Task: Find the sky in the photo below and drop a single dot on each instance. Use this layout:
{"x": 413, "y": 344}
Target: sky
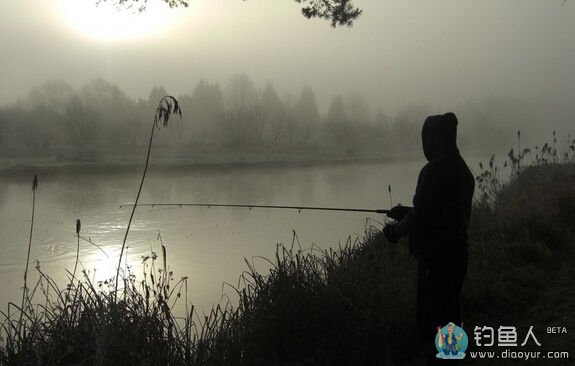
{"x": 435, "y": 52}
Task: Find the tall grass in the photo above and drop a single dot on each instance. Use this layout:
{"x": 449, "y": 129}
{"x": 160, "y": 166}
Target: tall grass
{"x": 25, "y": 288}
{"x": 85, "y": 324}
{"x": 319, "y": 307}
{"x": 166, "y": 107}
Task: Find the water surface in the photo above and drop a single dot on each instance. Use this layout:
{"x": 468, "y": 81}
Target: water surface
{"x": 206, "y": 244}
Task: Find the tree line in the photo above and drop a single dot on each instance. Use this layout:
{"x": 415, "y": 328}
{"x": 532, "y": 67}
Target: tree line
{"x": 56, "y": 118}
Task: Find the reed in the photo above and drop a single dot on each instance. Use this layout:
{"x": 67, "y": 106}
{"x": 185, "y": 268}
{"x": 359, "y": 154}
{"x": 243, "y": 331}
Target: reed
{"x": 78, "y": 228}
{"x": 167, "y": 106}
{"x": 25, "y": 288}
{"x": 84, "y": 323}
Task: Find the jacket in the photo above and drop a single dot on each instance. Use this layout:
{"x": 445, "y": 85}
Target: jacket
{"x": 437, "y": 223}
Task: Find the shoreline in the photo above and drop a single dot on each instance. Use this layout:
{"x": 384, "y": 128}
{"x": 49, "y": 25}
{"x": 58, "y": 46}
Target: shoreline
{"x": 11, "y": 168}
{"x": 168, "y": 161}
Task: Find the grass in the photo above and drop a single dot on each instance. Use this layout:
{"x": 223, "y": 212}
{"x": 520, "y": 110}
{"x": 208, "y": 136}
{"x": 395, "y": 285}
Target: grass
{"x": 355, "y": 305}
{"x": 86, "y": 324}
{"x": 168, "y": 105}
{"x": 25, "y": 288}
{"x": 346, "y": 306}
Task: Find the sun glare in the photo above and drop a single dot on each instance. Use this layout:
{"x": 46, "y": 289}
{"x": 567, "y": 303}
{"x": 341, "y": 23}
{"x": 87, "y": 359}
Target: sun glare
{"x": 105, "y": 22}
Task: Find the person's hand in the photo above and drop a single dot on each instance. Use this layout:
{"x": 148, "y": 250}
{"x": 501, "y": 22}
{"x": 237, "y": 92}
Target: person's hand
{"x": 398, "y": 212}
{"x": 391, "y": 234}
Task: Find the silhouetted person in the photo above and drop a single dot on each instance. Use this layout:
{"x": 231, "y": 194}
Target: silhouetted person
{"x": 437, "y": 229}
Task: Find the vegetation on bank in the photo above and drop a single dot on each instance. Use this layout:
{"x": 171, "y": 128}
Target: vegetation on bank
{"x": 345, "y": 306}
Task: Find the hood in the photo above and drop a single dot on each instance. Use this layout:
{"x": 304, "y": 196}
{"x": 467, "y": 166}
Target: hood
{"x": 439, "y": 135}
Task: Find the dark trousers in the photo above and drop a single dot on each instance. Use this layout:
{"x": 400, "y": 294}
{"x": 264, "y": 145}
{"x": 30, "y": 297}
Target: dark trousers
{"x": 438, "y": 299}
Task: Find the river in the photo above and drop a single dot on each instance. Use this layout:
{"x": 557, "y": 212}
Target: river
{"x": 206, "y": 244}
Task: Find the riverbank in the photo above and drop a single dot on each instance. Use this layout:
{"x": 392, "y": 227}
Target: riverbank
{"x": 167, "y": 160}
{"x": 353, "y": 305}
{"x": 356, "y": 306}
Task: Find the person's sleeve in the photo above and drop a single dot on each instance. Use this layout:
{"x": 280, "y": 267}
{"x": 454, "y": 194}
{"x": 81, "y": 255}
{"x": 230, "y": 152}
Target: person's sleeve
{"x": 424, "y": 202}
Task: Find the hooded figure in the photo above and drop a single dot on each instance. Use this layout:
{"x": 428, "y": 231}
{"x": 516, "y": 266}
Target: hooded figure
{"x": 437, "y": 227}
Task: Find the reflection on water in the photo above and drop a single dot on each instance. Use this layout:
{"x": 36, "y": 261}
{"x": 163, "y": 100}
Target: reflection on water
{"x": 99, "y": 266}
{"x": 207, "y": 244}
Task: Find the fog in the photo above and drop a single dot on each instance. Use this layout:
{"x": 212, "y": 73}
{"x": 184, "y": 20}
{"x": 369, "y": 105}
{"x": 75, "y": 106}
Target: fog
{"x": 277, "y": 110}
{"x": 508, "y": 62}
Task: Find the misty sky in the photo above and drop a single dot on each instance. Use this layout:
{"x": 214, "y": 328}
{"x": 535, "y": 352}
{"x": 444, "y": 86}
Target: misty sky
{"x": 437, "y": 52}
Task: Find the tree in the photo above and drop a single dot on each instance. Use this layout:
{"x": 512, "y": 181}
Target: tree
{"x": 40, "y": 129}
{"x": 284, "y": 124}
{"x": 244, "y": 126}
{"x": 337, "y": 121}
{"x": 244, "y": 120}
{"x": 241, "y": 92}
{"x": 381, "y": 125}
{"x": 306, "y": 113}
{"x": 108, "y": 100}
{"x": 338, "y": 12}
{"x": 336, "y": 112}
{"x": 205, "y": 109}
{"x": 274, "y": 111}
{"x": 127, "y": 133}
{"x": 20, "y": 128}
{"x": 271, "y": 102}
{"x": 34, "y": 129}
{"x": 82, "y": 123}
{"x": 53, "y": 94}
{"x": 117, "y": 113}
{"x": 357, "y": 109}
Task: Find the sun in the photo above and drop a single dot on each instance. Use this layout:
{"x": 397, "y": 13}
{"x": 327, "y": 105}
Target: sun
{"x": 105, "y": 22}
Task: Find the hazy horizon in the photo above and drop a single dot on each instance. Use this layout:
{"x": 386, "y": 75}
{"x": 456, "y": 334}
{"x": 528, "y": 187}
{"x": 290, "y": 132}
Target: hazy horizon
{"x": 397, "y": 53}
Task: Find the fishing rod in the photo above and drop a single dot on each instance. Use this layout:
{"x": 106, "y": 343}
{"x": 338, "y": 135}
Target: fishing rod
{"x": 299, "y": 208}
